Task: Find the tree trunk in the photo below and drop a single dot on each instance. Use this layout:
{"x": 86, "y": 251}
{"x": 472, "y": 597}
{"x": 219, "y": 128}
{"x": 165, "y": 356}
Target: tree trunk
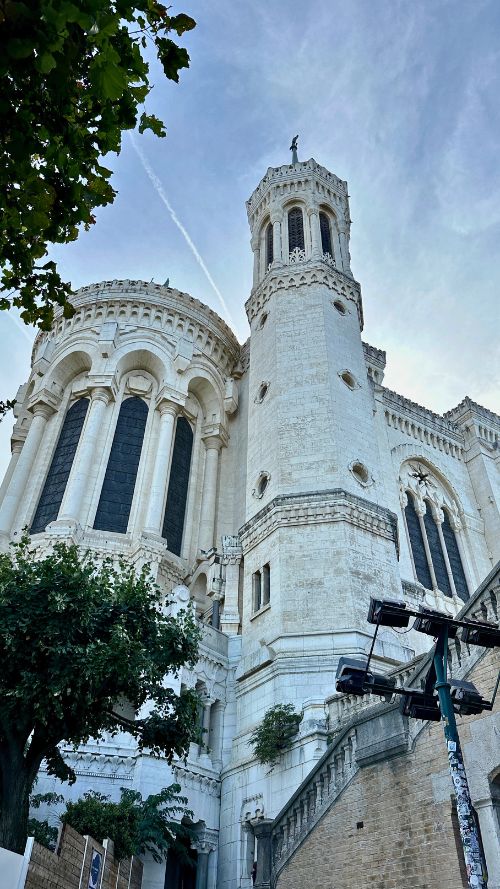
{"x": 16, "y": 780}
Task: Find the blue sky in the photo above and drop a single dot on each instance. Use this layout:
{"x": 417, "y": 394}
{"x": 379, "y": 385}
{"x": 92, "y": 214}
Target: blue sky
{"x": 400, "y": 99}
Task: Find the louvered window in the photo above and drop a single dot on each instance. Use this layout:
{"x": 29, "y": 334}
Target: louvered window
{"x": 417, "y": 544}
{"x": 326, "y": 234}
{"x": 457, "y": 568}
{"x": 60, "y": 467}
{"x": 118, "y": 487}
{"x": 295, "y": 229}
{"x": 269, "y": 245}
{"x": 438, "y": 562}
{"x": 175, "y": 510}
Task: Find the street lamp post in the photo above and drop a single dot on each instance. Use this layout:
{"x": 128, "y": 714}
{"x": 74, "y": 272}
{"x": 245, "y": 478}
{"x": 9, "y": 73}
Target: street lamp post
{"x": 453, "y": 696}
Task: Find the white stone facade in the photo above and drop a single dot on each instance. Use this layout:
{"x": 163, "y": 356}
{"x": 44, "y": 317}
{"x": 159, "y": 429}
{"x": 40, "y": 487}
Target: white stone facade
{"x": 302, "y": 465}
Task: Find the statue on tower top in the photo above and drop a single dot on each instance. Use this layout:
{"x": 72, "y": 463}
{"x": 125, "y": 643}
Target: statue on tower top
{"x": 293, "y": 149}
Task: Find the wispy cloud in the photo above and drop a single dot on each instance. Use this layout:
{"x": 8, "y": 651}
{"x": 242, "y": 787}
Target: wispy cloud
{"x": 158, "y": 187}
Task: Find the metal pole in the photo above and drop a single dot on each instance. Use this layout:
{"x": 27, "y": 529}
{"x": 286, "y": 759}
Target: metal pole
{"x": 476, "y": 869}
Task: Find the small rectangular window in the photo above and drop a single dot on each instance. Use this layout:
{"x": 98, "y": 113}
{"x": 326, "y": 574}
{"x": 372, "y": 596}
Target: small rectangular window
{"x": 266, "y": 591}
{"x": 257, "y": 590}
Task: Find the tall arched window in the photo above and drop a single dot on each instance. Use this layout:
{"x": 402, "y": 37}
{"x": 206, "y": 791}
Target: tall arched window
{"x": 417, "y": 544}
{"x": 175, "y": 509}
{"x": 433, "y": 541}
{"x": 295, "y": 229}
{"x": 119, "y": 482}
{"x": 60, "y": 467}
{"x": 326, "y": 234}
{"x": 457, "y": 568}
{"x": 269, "y": 245}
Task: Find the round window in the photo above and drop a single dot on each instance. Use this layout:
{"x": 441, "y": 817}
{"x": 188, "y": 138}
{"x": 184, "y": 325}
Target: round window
{"x": 348, "y": 379}
{"x": 339, "y": 305}
{"x": 262, "y": 392}
{"x": 261, "y": 484}
{"x": 262, "y": 320}
{"x": 360, "y": 473}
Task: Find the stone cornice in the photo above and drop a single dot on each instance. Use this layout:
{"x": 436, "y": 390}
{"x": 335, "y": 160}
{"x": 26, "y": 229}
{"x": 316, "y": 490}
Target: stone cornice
{"x": 310, "y": 271}
{"x": 276, "y": 176}
{"x": 315, "y": 508}
{"x": 136, "y": 304}
{"x": 421, "y": 423}
{"x": 470, "y": 410}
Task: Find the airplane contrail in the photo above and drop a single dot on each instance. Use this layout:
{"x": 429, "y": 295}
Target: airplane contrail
{"x": 17, "y": 321}
{"x": 158, "y": 187}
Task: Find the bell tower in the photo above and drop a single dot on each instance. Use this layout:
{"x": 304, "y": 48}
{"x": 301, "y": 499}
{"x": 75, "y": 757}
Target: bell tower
{"x": 317, "y": 531}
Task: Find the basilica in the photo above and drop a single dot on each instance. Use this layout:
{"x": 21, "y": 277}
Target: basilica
{"x": 274, "y": 487}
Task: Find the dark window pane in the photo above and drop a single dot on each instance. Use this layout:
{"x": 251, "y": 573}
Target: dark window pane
{"x": 457, "y": 568}
{"x": 60, "y": 468}
{"x": 326, "y": 234}
{"x": 269, "y": 245}
{"x": 295, "y": 229}
{"x": 119, "y": 482}
{"x": 438, "y": 562}
{"x": 417, "y": 544}
{"x": 175, "y": 510}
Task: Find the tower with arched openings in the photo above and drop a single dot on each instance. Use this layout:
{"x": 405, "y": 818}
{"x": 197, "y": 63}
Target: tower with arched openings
{"x": 273, "y": 486}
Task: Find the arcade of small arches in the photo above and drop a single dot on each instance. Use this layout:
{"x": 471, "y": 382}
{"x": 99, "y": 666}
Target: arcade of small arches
{"x": 296, "y": 233}
{"x": 434, "y": 531}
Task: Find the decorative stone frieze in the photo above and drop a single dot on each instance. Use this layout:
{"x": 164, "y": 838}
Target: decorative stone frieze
{"x": 317, "y": 508}
{"x": 291, "y": 178}
{"x": 307, "y": 272}
{"x": 133, "y": 305}
{"x": 422, "y": 424}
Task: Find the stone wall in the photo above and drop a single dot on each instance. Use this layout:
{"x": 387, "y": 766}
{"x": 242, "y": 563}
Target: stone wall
{"x": 69, "y": 866}
{"x": 393, "y": 827}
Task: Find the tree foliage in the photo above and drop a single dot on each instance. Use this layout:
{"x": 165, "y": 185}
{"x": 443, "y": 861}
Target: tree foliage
{"x": 77, "y": 636}
{"x": 43, "y": 832}
{"x": 6, "y": 406}
{"x": 135, "y": 825}
{"x": 73, "y": 77}
{"x": 274, "y": 734}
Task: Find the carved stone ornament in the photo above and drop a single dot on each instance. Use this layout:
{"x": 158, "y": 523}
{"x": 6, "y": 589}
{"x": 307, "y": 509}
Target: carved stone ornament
{"x": 137, "y": 384}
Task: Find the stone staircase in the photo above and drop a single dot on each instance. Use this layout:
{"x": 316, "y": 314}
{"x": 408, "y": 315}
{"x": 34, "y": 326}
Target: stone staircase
{"x": 360, "y": 735}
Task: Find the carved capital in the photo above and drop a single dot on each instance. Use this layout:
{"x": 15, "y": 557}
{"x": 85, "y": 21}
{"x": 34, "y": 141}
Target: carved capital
{"x": 44, "y": 403}
{"x": 214, "y": 436}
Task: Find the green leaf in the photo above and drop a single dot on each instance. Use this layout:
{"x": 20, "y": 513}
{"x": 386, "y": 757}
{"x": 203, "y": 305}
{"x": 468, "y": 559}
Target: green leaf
{"x": 45, "y": 63}
{"x": 181, "y": 23}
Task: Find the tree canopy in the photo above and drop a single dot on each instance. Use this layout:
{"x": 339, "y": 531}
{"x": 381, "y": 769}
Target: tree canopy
{"x": 135, "y": 825}
{"x": 77, "y": 637}
{"x": 73, "y": 77}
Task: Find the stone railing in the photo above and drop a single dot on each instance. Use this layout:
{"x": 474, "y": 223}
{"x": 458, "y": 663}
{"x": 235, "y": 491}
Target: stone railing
{"x": 358, "y": 741}
{"x": 333, "y": 772}
{"x": 422, "y": 424}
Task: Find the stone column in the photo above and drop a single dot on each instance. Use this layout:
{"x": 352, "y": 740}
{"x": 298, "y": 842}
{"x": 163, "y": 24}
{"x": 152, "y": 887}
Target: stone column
{"x": 256, "y": 261}
{"x": 262, "y": 833}
{"x": 154, "y": 514}
{"x": 202, "y": 868}
{"x": 490, "y": 835}
{"x": 231, "y": 556}
{"x": 316, "y": 251}
{"x": 438, "y": 518}
{"x": 213, "y": 444}
{"x": 420, "y": 510}
{"x": 85, "y": 456}
{"x": 276, "y": 217}
{"x": 344, "y": 249}
{"x": 17, "y": 447}
{"x": 42, "y": 410}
